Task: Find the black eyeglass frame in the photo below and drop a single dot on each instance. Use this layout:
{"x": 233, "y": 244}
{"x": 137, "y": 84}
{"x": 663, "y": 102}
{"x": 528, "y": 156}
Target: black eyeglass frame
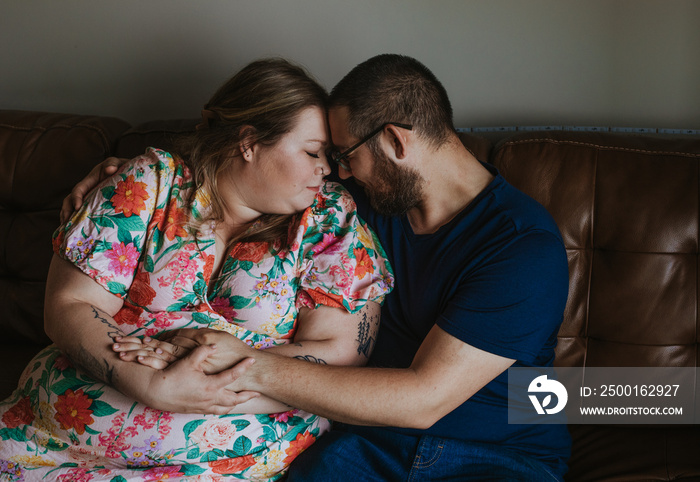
{"x": 339, "y": 158}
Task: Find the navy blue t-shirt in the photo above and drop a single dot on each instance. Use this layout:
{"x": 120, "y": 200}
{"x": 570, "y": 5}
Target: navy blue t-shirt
{"x": 495, "y": 277}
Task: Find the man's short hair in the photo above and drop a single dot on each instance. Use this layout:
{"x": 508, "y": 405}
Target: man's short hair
{"x": 394, "y": 88}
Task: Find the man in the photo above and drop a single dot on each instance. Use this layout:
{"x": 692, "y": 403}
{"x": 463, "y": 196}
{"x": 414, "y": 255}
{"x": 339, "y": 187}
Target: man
{"x": 481, "y": 285}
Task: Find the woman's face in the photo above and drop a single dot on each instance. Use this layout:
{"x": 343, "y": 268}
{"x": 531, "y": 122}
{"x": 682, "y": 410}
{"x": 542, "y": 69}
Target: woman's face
{"x": 285, "y": 177}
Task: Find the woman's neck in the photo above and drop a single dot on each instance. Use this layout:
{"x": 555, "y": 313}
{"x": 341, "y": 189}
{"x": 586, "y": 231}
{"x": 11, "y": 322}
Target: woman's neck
{"x": 237, "y": 214}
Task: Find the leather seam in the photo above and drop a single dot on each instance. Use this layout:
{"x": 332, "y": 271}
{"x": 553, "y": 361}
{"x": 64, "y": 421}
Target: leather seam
{"x": 601, "y": 147}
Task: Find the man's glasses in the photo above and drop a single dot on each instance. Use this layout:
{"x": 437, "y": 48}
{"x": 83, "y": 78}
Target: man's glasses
{"x": 337, "y": 156}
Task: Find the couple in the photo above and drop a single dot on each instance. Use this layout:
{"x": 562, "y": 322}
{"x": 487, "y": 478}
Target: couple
{"x": 481, "y": 283}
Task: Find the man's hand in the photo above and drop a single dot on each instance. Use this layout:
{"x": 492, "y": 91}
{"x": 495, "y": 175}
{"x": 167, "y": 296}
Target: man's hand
{"x": 183, "y": 386}
{"x": 99, "y": 173}
{"x": 229, "y": 349}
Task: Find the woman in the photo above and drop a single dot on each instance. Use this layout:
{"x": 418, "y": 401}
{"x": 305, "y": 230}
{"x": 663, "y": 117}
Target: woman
{"x": 240, "y": 233}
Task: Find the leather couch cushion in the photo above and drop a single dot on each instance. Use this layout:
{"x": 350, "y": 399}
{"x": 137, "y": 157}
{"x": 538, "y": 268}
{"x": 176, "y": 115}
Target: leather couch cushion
{"x": 42, "y": 156}
{"x": 627, "y": 208}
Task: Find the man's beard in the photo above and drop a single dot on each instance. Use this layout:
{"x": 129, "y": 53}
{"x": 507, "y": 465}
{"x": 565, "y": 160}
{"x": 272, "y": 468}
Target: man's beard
{"x": 394, "y": 189}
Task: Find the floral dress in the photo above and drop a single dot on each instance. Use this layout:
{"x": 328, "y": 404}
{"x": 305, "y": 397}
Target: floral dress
{"x": 131, "y": 237}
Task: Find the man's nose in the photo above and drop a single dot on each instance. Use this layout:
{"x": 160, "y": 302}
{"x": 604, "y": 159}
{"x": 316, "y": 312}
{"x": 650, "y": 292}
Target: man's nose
{"x": 344, "y": 173}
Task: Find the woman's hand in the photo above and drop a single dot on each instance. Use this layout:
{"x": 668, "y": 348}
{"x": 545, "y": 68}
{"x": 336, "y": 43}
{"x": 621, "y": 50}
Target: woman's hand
{"x": 98, "y": 173}
{"x": 148, "y": 351}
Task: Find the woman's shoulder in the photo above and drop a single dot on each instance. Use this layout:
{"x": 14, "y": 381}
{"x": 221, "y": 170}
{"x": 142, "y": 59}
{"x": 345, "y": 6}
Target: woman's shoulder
{"x": 157, "y": 169}
{"x": 333, "y": 198}
{"x": 342, "y": 260}
{"x": 333, "y": 210}
{"x": 158, "y": 161}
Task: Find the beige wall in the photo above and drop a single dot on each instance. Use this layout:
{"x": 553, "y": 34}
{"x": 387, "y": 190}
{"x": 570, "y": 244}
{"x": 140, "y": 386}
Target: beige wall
{"x": 504, "y": 62}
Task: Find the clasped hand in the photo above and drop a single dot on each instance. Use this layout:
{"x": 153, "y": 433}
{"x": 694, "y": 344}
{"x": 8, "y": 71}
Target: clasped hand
{"x": 174, "y": 345}
{"x": 196, "y": 370}
{"x": 183, "y": 387}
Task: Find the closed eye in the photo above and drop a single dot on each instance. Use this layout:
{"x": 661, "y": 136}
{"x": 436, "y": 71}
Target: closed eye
{"x": 315, "y": 156}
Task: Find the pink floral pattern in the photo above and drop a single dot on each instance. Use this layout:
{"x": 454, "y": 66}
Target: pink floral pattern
{"x": 131, "y": 237}
{"x": 122, "y": 258}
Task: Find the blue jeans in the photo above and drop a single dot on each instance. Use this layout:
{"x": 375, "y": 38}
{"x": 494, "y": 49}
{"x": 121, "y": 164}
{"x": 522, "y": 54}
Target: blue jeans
{"x": 359, "y": 454}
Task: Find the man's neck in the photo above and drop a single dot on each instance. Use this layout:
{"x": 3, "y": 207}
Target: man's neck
{"x": 453, "y": 178}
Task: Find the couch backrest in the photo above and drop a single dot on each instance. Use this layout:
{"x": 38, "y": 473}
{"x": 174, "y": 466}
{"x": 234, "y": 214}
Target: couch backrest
{"x": 628, "y": 211}
{"x": 41, "y": 157}
{"x": 160, "y": 134}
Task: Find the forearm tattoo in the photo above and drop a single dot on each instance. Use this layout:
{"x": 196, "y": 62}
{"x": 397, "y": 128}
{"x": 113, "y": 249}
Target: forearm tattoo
{"x": 99, "y": 369}
{"x": 312, "y": 359}
{"x": 367, "y": 333}
{"x": 102, "y": 317}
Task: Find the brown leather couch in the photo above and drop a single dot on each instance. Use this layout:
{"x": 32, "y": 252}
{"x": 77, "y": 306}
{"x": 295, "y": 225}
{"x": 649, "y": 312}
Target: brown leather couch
{"x": 627, "y": 206}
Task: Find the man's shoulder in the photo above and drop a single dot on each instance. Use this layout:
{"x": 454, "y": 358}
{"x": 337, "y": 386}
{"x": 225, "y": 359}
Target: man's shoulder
{"x": 521, "y": 211}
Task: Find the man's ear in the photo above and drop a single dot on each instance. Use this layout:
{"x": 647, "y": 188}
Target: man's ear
{"x": 399, "y": 140}
{"x": 247, "y": 142}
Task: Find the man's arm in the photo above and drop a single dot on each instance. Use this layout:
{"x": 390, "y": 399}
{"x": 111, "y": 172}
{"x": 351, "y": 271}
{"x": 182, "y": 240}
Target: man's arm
{"x": 529, "y": 279}
{"x": 325, "y": 336}
{"x": 445, "y": 372}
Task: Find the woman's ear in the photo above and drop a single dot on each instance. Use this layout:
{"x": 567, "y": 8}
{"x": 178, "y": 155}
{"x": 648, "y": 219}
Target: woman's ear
{"x": 247, "y": 142}
{"x": 399, "y": 140}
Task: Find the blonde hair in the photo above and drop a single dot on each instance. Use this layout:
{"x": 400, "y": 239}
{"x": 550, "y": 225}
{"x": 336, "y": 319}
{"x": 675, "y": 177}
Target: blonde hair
{"x": 262, "y": 103}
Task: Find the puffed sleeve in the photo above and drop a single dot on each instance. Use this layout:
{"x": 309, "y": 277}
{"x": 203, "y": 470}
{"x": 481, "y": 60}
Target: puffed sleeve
{"x": 343, "y": 265}
{"x": 105, "y": 238}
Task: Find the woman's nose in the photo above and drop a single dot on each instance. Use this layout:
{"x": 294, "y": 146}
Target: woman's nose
{"x": 323, "y": 169}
